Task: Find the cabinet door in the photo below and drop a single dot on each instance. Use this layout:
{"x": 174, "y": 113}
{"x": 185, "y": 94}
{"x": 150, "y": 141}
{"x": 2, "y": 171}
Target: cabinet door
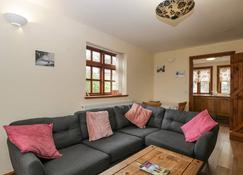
{"x": 222, "y": 107}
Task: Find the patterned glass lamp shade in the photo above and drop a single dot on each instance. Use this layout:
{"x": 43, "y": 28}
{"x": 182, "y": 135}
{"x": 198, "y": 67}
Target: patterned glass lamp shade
{"x": 173, "y": 9}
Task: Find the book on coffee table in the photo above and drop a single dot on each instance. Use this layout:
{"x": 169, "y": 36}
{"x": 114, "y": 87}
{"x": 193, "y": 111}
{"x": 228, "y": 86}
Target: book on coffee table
{"x": 153, "y": 169}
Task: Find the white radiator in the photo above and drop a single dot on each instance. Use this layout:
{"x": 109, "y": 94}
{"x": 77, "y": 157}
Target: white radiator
{"x": 104, "y": 105}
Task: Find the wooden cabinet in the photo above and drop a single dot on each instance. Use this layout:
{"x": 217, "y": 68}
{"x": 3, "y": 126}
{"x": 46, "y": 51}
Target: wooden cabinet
{"x": 218, "y": 105}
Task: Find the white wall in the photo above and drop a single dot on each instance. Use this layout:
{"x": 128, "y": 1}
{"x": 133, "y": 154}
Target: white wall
{"x": 29, "y": 91}
{"x": 170, "y": 89}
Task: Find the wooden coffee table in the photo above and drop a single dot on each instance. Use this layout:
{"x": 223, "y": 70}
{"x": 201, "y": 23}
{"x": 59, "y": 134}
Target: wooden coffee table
{"x": 178, "y": 164}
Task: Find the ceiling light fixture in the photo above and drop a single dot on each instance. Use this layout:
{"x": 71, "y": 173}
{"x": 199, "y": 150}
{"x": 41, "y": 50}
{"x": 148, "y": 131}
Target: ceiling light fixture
{"x": 173, "y": 9}
{"x": 210, "y": 59}
{"x": 15, "y": 19}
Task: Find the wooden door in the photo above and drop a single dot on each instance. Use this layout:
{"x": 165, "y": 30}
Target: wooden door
{"x": 236, "y": 121}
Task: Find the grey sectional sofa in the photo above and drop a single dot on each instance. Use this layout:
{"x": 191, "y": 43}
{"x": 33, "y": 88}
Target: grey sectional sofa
{"x": 81, "y": 157}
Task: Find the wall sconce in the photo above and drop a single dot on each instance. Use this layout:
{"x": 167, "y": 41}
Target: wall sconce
{"x": 15, "y": 19}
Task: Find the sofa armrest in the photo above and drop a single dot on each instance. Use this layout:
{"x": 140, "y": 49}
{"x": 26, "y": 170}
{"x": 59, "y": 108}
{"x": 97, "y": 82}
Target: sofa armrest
{"x": 205, "y": 144}
{"x": 25, "y": 164}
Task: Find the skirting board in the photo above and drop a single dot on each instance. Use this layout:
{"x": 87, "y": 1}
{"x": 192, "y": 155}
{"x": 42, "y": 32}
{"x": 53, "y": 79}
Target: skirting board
{"x": 11, "y": 173}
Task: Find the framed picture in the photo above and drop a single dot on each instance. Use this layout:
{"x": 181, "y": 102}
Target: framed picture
{"x": 180, "y": 74}
{"x": 160, "y": 68}
{"x": 44, "y": 58}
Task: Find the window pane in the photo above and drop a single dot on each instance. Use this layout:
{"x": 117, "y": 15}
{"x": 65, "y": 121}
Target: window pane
{"x": 107, "y": 74}
{"x": 204, "y": 87}
{"x": 224, "y": 74}
{"x": 96, "y": 73}
{"x": 88, "y": 54}
{"x": 88, "y": 72}
{"x": 96, "y": 87}
{"x": 114, "y": 60}
{"x": 88, "y": 90}
{"x": 96, "y": 56}
{"x": 195, "y": 76}
{"x": 107, "y": 59}
{"x": 115, "y": 86}
{"x": 107, "y": 87}
{"x": 204, "y": 75}
{"x": 114, "y": 75}
{"x": 225, "y": 87}
{"x": 194, "y": 87}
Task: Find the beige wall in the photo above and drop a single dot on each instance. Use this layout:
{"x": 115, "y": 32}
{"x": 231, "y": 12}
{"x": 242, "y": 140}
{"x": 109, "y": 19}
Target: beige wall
{"x": 170, "y": 89}
{"x": 215, "y": 71}
{"x": 29, "y": 91}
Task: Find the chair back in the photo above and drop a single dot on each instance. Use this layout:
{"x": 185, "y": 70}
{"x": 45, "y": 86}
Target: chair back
{"x": 182, "y": 106}
{"x": 152, "y": 103}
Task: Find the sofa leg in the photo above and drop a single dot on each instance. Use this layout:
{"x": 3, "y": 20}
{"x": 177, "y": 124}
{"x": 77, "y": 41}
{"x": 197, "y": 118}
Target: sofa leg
{"x": 206, "y": 169}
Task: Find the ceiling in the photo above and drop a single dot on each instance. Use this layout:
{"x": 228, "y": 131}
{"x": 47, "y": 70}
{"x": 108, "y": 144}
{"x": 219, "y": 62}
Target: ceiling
{"x": 135, "y": 21}
{"x": 224, "y": 59}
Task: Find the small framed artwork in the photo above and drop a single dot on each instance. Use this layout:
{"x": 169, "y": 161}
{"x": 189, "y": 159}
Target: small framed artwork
{"x": 180, "y": 74}
{"x": 160, "y": 68}
{"x": 44, "y": 58}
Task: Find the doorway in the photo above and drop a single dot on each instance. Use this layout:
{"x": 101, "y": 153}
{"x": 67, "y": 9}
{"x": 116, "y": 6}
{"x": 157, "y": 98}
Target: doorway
{"x": 210, "y": 84}
{"x": 219, "y": 102}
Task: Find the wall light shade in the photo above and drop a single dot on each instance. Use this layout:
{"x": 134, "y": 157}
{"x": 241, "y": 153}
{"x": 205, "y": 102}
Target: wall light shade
{"x": 15, "y": 19}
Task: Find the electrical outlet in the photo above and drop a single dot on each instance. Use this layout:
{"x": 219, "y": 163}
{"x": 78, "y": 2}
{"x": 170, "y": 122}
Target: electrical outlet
{"x": 82, "y": 107}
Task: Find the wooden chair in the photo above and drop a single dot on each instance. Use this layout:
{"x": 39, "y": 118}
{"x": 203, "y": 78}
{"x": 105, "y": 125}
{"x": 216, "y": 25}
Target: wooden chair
{"x": 152, "y": 103}
{"x": 182, "y": 106}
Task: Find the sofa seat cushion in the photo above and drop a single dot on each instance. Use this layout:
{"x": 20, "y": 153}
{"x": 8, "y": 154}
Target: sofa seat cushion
{"x": 76, "y": 160}
{"x": 139, "y": 132}
{"x": 170, "y": 140}
{"x": 118, "y": 146}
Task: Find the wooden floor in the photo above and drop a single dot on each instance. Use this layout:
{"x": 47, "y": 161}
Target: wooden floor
{"x": 227, "y": 157}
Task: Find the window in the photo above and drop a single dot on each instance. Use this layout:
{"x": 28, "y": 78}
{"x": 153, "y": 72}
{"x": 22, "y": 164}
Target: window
{"x": 223, "y": 79}
{"x": 101, "y": 72}
{"x": 202, "y": 80}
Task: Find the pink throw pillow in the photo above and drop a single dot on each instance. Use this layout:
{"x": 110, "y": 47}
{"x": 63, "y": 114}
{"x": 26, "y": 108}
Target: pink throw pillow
{"x": 98, "y": 125}
{"x": 36, "y": 138}
{"x": 197, "y": 126}
{"x": 138, "y": 115}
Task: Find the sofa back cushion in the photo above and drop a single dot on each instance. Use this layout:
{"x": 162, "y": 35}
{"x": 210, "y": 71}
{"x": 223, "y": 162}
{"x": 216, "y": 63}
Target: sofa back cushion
{"x": 174, "y": 119}
{"x": 98, "y": 125}
{"x": 157, "y": 116}
{"x": 83, "y": 124}
{"x": 199, "y": 125}
{"x": 138, "y": 115}
{"x": 120, "y": 112}
{"x": 37, "y": 139}
{"x": 66, "y": 130}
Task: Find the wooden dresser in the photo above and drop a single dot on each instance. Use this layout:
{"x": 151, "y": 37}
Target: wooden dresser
{"x": 218, "y": 105}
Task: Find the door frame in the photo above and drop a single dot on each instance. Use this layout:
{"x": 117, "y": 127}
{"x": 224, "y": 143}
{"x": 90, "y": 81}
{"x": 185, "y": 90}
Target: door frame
{"x": 191, "y": 58}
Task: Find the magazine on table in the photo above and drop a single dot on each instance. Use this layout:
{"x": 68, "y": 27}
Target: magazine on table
{"x": 154, "y": 169}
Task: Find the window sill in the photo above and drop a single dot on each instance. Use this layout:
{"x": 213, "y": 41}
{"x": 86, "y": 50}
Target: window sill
{"x": 104, "y": 96}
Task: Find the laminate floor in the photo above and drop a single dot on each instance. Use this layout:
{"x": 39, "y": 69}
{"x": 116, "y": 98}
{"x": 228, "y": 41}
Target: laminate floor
{"x": 227, "y": 157}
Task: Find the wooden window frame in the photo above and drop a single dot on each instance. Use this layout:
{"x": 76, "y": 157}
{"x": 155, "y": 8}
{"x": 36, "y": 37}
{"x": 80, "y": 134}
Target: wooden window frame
{"x": 103, "y": 66}
{"x": 211, "y": 79}
{"x": 218, "y": 76}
